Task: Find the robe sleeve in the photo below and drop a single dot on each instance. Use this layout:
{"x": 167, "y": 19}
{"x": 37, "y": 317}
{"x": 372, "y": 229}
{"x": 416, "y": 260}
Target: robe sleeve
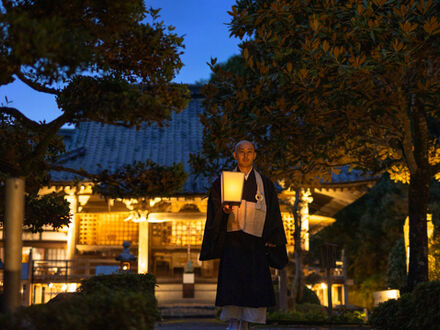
{"x": 215, "y": 226}
{"x": 273, "y": 229}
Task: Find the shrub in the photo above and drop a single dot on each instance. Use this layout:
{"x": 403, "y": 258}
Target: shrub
{"x": 97, "y": 311}
{"x": 312, "y": 313}
{"x": 415, "y": 310}
{"x": 342, "y": 315}
{"x": 119, "y": 282}
{"x": 303, "y": 312}
{"x": 285, "y": 316}
{"x": 396, "y": 271}
{"x": 119, "y": 301}
{"x": 309, "y": 297}
{"x": 108, "y": 311}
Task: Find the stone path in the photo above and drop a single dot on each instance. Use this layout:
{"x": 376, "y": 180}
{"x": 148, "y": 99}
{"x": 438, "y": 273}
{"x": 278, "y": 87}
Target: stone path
{"x": 208, "y": 324}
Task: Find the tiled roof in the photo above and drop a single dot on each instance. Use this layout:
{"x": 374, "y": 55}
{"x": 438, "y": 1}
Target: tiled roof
{"x": 92, "y": 144}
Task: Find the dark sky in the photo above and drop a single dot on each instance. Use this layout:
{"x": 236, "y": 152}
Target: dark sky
{"x": 202, "y": 22}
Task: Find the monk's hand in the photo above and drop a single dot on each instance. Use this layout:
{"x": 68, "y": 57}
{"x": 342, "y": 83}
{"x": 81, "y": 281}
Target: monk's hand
{"x": 227, "y": 208}
{"x": 270, "y": 245}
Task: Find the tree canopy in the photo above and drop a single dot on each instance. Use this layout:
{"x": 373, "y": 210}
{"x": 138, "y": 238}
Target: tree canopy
{"x": 332, "y": 83}
{"x": 107, "y": 61}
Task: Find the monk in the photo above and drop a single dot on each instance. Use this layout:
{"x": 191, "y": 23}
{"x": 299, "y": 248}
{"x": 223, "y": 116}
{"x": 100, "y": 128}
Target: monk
{"x": 240, "y": 236}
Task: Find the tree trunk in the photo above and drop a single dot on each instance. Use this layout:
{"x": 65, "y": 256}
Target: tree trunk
{"x": 297, "y": 287}
{"x": 13, "y": 227}
{"x": 418, "y": 197}
{"x": 418, "y": 194}
{"x": 282, "y": 280}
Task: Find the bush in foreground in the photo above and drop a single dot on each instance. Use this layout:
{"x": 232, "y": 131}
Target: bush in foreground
{"x": 312, "y": 313}
{"x": 119, "y": 282}
{"x": 122, "y": 301}
{"x": 416, "y": 310}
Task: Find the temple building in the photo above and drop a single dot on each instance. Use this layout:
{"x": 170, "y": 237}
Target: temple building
{"x": 166, "y": 240}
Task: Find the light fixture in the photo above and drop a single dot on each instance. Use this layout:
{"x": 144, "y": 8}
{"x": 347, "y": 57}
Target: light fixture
{"x": 232, "y": 187}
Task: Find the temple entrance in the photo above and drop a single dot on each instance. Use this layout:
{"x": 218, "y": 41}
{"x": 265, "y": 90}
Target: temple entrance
{"x": 175, "y": 248}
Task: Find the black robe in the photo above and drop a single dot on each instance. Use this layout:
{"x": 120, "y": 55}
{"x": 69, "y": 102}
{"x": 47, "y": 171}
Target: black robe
{"x": 244, "y": 276}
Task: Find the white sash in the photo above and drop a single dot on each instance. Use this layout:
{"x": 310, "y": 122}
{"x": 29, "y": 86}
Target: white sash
{"x": 249, "y": 216}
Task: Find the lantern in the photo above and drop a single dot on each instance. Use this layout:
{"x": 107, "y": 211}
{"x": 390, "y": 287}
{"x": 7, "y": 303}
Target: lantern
{"x": 232, "y": 187}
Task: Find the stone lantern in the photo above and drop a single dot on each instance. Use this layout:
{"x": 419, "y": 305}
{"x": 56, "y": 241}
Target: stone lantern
{"x": 125, "y": 258}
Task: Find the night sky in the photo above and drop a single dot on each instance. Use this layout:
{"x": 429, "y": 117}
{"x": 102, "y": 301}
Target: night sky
{"x": 203, "y": 24}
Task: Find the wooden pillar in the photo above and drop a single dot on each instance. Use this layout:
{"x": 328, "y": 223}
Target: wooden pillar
{"x": 306, "y": 199}
{"x": 143, "y": 247}
{"x": 71, "y": 231}
{"x": 12, "y": 231}
{"x": 345, "y": 276}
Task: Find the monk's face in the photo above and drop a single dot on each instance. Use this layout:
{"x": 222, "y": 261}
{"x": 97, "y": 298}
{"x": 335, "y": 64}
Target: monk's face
{"x": 245, "y": 155}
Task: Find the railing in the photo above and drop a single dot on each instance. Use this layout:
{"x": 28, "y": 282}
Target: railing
{"x": 44, "y": 271}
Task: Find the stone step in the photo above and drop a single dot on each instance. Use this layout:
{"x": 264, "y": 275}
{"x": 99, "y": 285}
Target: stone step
{"x": 172, "y": 294}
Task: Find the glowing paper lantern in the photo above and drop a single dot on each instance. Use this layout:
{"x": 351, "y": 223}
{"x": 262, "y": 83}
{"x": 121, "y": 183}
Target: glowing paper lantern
{"x": 232, "y": 186}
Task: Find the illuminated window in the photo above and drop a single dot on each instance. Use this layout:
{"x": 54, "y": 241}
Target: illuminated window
{"x": 106, "y": 229}
{"x": 161, "y": 234}
{"x": 187, "y": 232}
{"x": 87, "y": 228}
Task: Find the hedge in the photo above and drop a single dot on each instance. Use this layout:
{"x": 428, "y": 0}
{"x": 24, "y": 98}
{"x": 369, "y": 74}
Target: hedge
{"x": 119, "y": 282}
{"x": 416, "y": 310}
{"x": 122, "y": 301}
{"x": 314, "y": 314}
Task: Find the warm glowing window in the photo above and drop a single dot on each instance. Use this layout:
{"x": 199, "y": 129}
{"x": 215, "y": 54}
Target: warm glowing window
{"x": 187, "y": 232}
{"x": 106, "y": 229}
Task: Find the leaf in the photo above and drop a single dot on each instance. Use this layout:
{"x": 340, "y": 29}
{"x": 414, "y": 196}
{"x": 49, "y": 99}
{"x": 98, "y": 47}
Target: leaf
{"x": 397, "y": 45}
{"x": 314, "y": 24}
{"x": 432, "y": 26}
{"x": 325, "y": 45}
{"x": 407, "y": 27}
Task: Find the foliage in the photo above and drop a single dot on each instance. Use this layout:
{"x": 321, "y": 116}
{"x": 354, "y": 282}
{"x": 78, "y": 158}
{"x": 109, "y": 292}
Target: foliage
{"x": 415, "y": 310}
{"x": 312, "y": 313}
{"x": 112, "y": 310}
{"x": 138, "y": 180}
{"x": 345, "y": 316}
{"x": 309, "y": 297}
{"x": 434, "y": 257}
{"x": 117, "y": 301}
{"x": 396, "y": 271}
{"x": 367, "y": 230}
{"x": 50, "y": 209}
{"x": 334, "y": 83}
{"x": 118, "y": 282}
{"x": 112, "y": 62}
{"x": 306, "y": 312}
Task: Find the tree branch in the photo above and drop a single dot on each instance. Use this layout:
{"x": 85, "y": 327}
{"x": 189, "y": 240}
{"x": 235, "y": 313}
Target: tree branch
{"x": 19, "y": 116}
{"x": 80, "y": 172}
{"x": 51, "y": 129}
{"x": 34, "y": 85}
{"x": 435, "y": 169}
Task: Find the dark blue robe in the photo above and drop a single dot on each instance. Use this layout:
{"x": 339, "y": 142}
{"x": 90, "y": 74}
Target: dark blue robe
{"x": 244, "y": 277}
